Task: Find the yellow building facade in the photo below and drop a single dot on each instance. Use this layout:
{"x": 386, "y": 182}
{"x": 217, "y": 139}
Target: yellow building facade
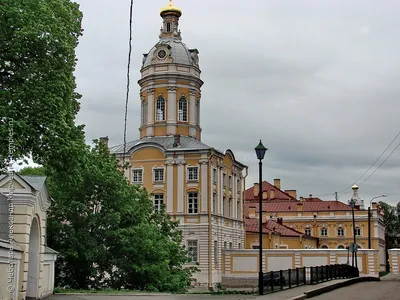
{"x": 199, "y": 185}
{"x": 330, "y": 222}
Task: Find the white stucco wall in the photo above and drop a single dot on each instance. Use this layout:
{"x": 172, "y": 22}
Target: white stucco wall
{"x": 9, "y": 273}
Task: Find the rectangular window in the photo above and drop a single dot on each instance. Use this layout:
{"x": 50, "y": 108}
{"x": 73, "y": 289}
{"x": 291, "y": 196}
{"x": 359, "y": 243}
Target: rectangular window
{"x": 239, "y": 246}
{"x": 239, "y": 188}
{"x": 193, "y": 173}
{"x": 192, "y": 247}
{"x": 224, "y": 206}
{"x": 224, "y": 179}
{"x": 144, "y": 112}
{"x": 215, "y": 175}
{"x": 230, "y": 208}
{"x": 193, "y": 203}
{"x": 255, "y": 247}
{"x": 230, "y": 245}
{"x": 307, "y": 231}
{"x": 214, "y": 203}
{"x": 215, "y": 252}
{"x": 230, "y": 182}
{"x": 238, "y": 210}
{"x": 357, "y": 231}
{"x": 340, "y": 231}
{"x": 324, "y": 232}
{"x": 137, "y": 176}
{"x": 168, "y": 27}
{"x": 158, "y": 200}
{"x": 158, "y": 175}
{"x": 225, "y": 245}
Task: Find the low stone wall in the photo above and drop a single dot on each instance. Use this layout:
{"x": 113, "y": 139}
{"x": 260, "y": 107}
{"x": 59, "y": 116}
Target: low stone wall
{"x": 394, "y": 259}
{"x": 241, "y": 266}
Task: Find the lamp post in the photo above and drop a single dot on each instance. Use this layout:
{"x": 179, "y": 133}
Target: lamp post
{"x": 260, "y": 152}
{"x": 354, "y": 253}
{"x": 369, "y": 219}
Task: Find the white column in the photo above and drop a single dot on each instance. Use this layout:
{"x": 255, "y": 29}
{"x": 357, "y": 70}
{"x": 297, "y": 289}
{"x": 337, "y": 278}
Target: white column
{"x": 170, "y": 186}
{"x": 192, "y": 113}
{"x": 204, "y": 185}
{"x": 171, "y": 115}
{"x": 181, "y": 180}
{"x": 234, "y": 195}
{"x": 150, "y": 112}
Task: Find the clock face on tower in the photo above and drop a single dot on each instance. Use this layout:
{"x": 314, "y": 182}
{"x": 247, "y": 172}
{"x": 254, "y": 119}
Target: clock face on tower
{"x": 161, "y": 54}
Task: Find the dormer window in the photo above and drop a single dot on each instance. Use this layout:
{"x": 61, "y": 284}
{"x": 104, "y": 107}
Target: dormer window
{"x": 168, "y": 27}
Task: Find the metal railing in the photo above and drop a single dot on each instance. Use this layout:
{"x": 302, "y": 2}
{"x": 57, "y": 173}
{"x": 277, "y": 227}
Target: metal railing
{"x": 285, "y": 279}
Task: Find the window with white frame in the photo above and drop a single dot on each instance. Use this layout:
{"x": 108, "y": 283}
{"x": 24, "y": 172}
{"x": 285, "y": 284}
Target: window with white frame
{"x": 215, "y": 252}
{"x": 215, "y": 175}
{"x": 224, "y": 179}
{"x": 193, "y": 250}
{"x": 158, "y": 200}
{"x": 182, "y": 110}
{"x": 224, "y": 206}
{"x": 214, "y": 206}
{"x": 307, "y": 231}
{"x": 324, "y": 231}
{"x": 160, "y": 109}
{"x": 158, "y": 174}
{"x": 357, "y": 231}
{"x": 193, "y": 201}
{"x": 230, "y": 182}
{"x": 137, "y": 176}
{"x": 193, "y": 174}
{"x": 340, "y": 231}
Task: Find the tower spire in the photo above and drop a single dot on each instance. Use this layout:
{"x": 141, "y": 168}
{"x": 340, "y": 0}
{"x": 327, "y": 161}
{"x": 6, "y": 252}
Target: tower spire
{"x": 170, "y": 15}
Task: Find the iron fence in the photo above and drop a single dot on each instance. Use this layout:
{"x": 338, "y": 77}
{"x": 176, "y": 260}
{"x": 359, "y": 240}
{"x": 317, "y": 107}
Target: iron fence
{"x": 285, "y": 279}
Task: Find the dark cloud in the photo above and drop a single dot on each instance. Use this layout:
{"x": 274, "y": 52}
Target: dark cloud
{"x": 315, "y": 80}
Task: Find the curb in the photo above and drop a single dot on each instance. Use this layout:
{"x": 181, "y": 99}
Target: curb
{"x": 110, "y": 294}
{"x": 329, "y": 288}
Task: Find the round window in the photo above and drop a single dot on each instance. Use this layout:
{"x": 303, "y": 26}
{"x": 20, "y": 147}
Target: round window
{"x": 162, "y": 54}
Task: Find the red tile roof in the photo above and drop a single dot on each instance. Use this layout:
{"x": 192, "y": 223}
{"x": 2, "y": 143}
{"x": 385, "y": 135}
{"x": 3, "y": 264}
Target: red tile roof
{"x": 292, "y": 206}
{"x": 252, "y": 225}
{"x": 266, "y": 186}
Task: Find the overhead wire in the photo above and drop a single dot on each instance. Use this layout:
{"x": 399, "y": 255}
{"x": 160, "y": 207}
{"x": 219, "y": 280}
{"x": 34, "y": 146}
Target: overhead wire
{"x": 128, "y": 76}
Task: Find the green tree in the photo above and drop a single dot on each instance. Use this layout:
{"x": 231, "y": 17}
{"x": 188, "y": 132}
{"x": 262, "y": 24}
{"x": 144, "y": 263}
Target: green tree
{"x": 101, "y": 223}
{"x": 37, "y": 60}
{"x": 33, "y": 171}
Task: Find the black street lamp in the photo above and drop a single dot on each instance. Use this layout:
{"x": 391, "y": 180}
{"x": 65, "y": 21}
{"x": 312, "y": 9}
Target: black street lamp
{"x": 260, "y": 152}
{"x": 354, "y": 250}
{"x": 369, "y": 220}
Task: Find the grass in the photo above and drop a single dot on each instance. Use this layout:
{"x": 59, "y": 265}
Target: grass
{"x": 381, "y": 274}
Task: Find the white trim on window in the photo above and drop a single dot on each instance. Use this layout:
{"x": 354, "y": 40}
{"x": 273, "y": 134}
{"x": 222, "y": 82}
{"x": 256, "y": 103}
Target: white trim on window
{"x": 193, "y": 203}
{"x": 158, "y": 174}
{"x": 183, "y": 109}
{"x": 215, "y": 175}
{"x": 137, "y": 175}
{"x": 160, "y": 109}
{"x": 158, "y": 201}
{"x": 324, "y": 231}
{"x": 224, "y": 179}
{"x": 192, "y": 173}
{"x": 193, "y": 249}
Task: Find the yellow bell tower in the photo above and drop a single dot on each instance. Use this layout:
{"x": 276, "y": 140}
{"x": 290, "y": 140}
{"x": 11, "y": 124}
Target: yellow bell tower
{"x": 170, "y": 84}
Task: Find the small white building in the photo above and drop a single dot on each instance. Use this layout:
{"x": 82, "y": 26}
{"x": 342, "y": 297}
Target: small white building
{"x": 26, "y": 263}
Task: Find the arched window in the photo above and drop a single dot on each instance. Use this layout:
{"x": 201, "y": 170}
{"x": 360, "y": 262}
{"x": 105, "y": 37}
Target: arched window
{"x": 182, "y": 110}
{"x": 160, "y": 109}
{"x": 340, "y": 247}
{"x": 324, "y": 247}
{"x": 340, "y": 231}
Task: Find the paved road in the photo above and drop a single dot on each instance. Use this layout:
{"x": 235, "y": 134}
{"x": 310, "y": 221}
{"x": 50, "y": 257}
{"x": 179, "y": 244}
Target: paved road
{"x": 152, "y": 297}
{"x": 384, "y": 290}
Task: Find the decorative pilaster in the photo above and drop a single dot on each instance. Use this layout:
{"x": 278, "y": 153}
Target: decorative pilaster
{"x": 204, "y": 184}
{"x": 171, "y": 116}
{"x": 181, "y": 181}
{"x": 150, "y": 112}
{"x": 170, "y": 186}
{"x": 234, "y": 196}
{"x": 192, "y": 112}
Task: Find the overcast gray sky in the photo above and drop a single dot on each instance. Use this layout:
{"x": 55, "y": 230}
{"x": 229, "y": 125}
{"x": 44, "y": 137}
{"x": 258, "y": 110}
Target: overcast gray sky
{"x": 317, "y": 81}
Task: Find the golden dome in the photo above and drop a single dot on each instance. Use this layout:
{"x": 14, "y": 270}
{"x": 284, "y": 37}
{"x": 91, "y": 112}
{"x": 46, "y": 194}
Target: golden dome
{"x": 170, "y": 8}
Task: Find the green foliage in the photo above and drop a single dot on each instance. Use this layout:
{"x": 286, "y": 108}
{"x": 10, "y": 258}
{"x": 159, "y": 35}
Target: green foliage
{"x": 33, "y": 171}
{"x": 37, "y": 61}
{"x": 100, "y": 223}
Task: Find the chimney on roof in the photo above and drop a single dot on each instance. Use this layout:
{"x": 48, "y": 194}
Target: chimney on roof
{"x": 104, "y": 140}
{"x": 177, "y": 140}
{"x": 256, "y": 189}
{"x": 277, "y": 183}
{"x": 272, "y": 194}
{"x": 280, "y": 221}
{"x": 310, "y": 196}
{"x": 292, "y": 193}
{"x": 265, "y": 195}
{"x": 301, "y": 199}
{"x": 299, "y": 206}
